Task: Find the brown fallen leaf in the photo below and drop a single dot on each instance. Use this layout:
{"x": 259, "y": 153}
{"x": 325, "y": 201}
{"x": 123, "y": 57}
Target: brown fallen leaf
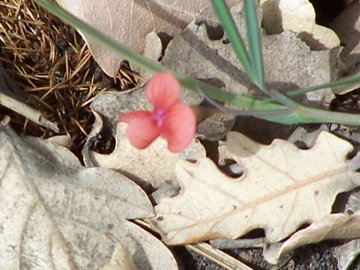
{"x": 130, "y": 21}
{"x": 282, "y": 188}
{"x": 56, "y": 214}
{"x": 297, "y": 16}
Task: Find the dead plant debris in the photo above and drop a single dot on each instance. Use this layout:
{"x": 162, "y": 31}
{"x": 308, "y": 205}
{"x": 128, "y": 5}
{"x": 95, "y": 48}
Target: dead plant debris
{"x": 53, "y": 66}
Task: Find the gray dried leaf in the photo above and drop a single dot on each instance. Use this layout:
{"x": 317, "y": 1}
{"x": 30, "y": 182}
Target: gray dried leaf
{"x": 130, "y": 21}
{"x": 56, "y": 214}
{"x": 347, "y": 26}
{"x": 347, "y": 253}
{"x": 297, "y": 16}
{"x": 333, "y": 226}
{"x": 289, "y": 62}
{"x": 152, "y": 166}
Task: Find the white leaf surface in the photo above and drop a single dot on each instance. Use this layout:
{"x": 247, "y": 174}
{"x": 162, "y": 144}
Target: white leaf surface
{"x": 56, "y": 214}
{"x": 282, "y": 188}
{"x": 298, "y": 16}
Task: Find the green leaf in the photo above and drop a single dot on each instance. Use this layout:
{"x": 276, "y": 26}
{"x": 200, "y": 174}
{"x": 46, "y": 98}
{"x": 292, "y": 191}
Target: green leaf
{"x": 254, "y": 38}
{"x": 233, "y": 35}
{"x": 139, "y": 60}
{"x": 299, "y": 114}
{"x": 343, "y": 81}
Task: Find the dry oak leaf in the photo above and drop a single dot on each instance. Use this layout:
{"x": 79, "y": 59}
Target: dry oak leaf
{"x": 121, "y": 260}
{"x": 347, "y": 253}
{"x": 347, "y": 26}
{"x": 282, "y": 188}
{"x": 333, "y": 226}
{"x": 130, "y": 21}
{"x": 297, "y": 16}
{"x": 154, "y": 165}
{"x": 288, "y": 62}
{"x": 56, "y": 214}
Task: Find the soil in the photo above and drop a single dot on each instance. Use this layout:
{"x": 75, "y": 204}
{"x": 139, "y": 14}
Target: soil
{"x": 310, "y": 257}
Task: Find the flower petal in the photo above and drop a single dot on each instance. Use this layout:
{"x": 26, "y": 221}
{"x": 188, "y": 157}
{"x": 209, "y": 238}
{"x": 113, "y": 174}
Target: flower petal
{"x": 130, "y": 116}
{"x": 179, "y": 127}
{"x": 141, "y": 132}
{"x": 163, "y": 90}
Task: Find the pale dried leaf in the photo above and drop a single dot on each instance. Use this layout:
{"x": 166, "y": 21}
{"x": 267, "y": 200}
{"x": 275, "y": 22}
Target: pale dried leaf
{"x": 152, "y": 46}
{"x": 347, "y": 253}
{"x": 120, "y": 260}
{"x": 289, "y": 63}
{"x": 335, "y": 226}
{"x": 306, "y": 137}
{"x": 297, "y": 16}
{"x": 195, "y": 54}
{"x": 285, "y": 56}
{"x": 63, "y": 140}
{"x": 111, "y": 104}
{"x": 154, "y": 165}
{"x": 130, "y": 21}
{"x": 347, "y": 26}
{"x": 282, "y": 188}
{"x": 56, "y": 214}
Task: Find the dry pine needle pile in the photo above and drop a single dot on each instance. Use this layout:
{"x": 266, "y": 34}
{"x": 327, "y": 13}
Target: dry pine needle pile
{"x": 54, "y": 70}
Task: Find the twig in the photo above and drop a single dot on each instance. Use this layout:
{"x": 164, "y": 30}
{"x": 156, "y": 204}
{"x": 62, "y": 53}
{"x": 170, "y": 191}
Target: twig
{"x": 218, "y": 256}
{"x": 203, "y": 249}
{"x": 238, "y": 243}
{"x": 26, "y": 111}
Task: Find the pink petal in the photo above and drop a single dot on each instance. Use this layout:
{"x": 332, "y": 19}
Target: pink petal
{"x": 141, "y": 132}
{"x": 163, "y": 90}
{"x": 130, "y": 116}
{"x": 179, "y": 127}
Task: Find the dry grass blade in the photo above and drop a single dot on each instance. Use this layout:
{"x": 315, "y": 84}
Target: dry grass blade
{"x": 26, "y": 111}
{"x": 53, "y": 66}
{"x": 203, "y": 249}
{"x": 218, "y": 256}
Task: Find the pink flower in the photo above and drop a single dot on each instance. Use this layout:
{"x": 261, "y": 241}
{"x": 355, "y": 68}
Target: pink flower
{"x": 170, "y": 118}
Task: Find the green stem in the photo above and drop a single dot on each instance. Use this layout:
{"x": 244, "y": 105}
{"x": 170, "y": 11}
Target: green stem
{"x": 322, "y": 116}
{"x": 233, "y": 35}
{"x": 343, "y": 81}
{"x": 254, "y": 38}
{"x": 299, "y": 114}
